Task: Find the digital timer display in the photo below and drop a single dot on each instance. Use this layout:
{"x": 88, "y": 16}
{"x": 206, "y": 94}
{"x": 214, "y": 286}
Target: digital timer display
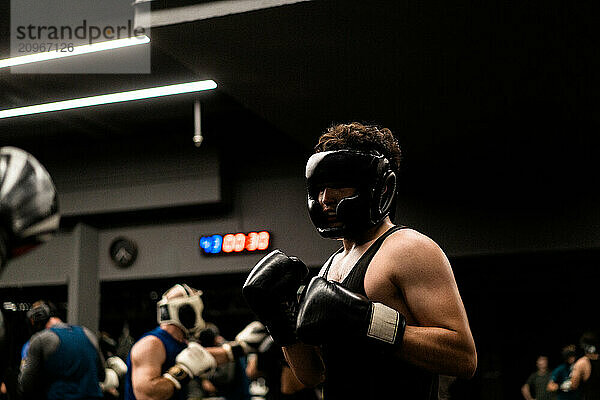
{"x": 234, "y": 243}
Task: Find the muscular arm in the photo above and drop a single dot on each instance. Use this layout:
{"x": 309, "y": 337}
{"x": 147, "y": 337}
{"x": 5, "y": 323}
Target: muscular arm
{"x": 581, "y": 372}
{"x": 220, "y": 354}
{"x": 147, "y": 357}
{"x": 437, "y": 335}
{"x": 31, "y": 378}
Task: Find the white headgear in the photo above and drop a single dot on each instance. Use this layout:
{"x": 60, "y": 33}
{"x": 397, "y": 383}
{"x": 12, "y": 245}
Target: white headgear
{"x": 184, "y": 312}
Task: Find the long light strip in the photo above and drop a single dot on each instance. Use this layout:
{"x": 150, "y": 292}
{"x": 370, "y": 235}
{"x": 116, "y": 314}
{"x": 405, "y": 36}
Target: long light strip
{"x": 77, "y": 50}
{"x": 111, "y": 98}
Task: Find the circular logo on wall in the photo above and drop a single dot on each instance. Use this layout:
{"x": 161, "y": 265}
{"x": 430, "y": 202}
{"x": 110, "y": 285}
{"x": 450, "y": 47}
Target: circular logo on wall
{"x": 123, "y": 252}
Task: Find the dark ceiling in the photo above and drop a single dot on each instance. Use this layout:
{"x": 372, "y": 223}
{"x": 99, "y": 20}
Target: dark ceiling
{"x": 492, "y": 101}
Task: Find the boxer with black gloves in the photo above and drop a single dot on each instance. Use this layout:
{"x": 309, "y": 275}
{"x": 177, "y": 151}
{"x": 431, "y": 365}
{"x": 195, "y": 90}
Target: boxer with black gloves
{"x": 387, "y": 300}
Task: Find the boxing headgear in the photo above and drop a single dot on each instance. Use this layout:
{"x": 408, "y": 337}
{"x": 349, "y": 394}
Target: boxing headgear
{"x": 371, "y": 175}
{"x": 568, "y": 352}
{"x": 40, "y": 314}
{"x": 28, "y": 203}
{"x": 589, "y": 343}
{"x": 184, "y": 312}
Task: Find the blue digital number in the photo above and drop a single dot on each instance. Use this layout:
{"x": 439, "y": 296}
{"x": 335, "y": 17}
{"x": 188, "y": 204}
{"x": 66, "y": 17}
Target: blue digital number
{"x": 211, "y": 244}
{"x": 206, "y": 244}
{"x": 217, "y": 241}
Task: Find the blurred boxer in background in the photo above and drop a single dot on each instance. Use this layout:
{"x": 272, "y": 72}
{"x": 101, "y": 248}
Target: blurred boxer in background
{"x": 28, "y": 216}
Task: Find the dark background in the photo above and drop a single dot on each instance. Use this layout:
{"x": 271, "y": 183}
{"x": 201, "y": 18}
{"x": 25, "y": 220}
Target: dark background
{"x": 495, "y": 104}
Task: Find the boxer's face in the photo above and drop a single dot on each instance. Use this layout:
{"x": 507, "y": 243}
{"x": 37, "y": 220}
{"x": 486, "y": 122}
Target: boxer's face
{"x": 329, "y": 199}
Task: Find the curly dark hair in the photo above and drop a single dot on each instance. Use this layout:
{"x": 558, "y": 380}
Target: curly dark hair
{"x": 356, "y": 136}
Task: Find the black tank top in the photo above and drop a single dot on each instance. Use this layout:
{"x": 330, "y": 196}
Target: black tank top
{"x": 591, "y": 387}
{"x": 363, "y": 373}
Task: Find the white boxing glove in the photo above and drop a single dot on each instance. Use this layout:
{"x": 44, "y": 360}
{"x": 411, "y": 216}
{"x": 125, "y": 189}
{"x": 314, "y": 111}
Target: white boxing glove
{"x": 111, "y": 380}
{"x": 252, "y": 336}
{"x": 566, "y": 386}
{"x": 247, "y": 341}
{"x": 192, "y": 361}
{"x": 117, "y": 365}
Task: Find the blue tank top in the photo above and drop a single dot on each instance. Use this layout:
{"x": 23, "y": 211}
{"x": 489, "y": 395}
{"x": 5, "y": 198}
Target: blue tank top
{"x": 172, "y": 348}
{"x": 72, "y": 369}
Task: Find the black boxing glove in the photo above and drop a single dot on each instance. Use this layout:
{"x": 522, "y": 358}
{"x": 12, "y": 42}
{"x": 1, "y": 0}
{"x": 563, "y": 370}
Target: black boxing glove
{"x": 271, "y": 291}
{"x": 331, "y": 313}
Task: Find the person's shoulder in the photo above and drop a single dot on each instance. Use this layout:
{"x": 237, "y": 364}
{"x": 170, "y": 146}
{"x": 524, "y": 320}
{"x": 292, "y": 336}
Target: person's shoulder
{"x": 582, "y": 362}
{"x": 411, "y": 241}
{"x": 147, "y": 342}
{"x": 412, "y": 247}
{"x": 152, "y": 336}
{"x": 148, "y": 347}
{"x": 408, "y": 255}
{"x": 44, "y": 341}
{"x": 42, "y": 336}
{"x": 89, "y": 333}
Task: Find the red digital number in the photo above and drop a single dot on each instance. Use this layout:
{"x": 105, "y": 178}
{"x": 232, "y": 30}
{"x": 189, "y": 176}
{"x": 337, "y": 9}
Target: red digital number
{"x": 252, "y": 241}
{"x": 228, "y": 243}
{"x": 240, "y": 242}
{"x": 263, "y": 240}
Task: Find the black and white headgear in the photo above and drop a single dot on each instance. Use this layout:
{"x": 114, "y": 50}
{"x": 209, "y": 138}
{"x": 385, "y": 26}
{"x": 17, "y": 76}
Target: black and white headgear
{"x": 183, "y": 311}
{"x": 372, "y": 176}
{"x": 28, "y": 203}
{"x": 589, "y": 343}
{"x": 40, "y": 314}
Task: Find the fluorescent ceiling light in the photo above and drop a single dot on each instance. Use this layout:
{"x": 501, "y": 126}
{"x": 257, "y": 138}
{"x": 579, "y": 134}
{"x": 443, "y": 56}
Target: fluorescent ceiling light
{"x": 111, "y": 98}
{"x": 77, "y": 50}
{"x": 213, "y": 9}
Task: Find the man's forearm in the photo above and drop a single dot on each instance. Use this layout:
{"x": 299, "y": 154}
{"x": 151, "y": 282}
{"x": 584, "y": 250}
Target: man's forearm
{"x": 526, "y": 393}
{"x": 158, "y": 388}
{"x": 220, "y": 355}
{"x": 306, "y": 363}
{"x": 438, "y": 350}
